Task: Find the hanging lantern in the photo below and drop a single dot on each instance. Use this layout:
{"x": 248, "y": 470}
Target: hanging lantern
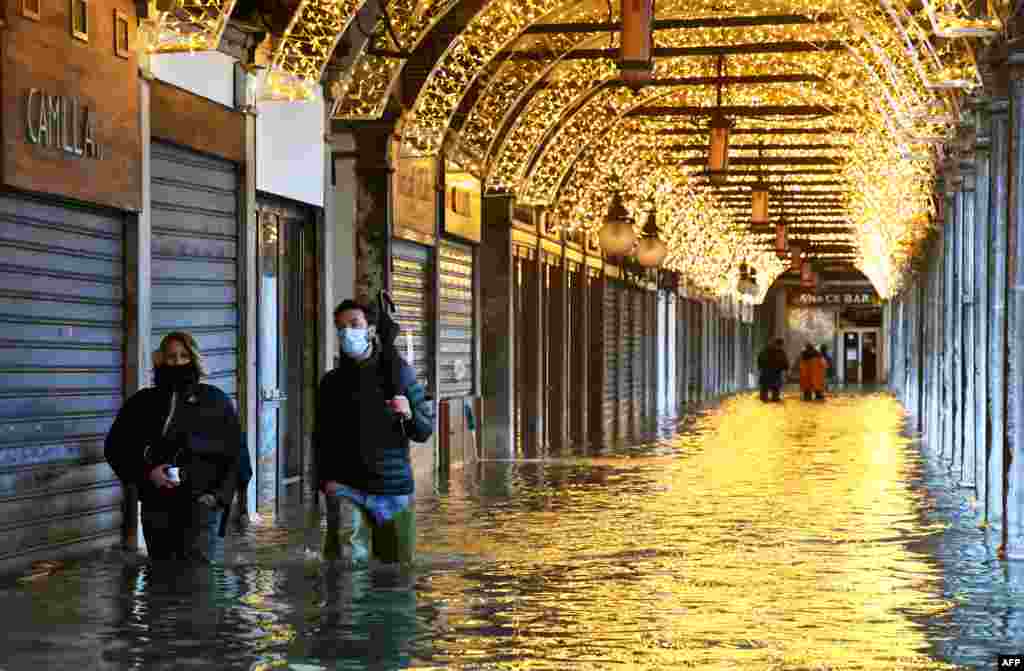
{"x": 780, "y": 240}
{"x": 806, "y": 274}
{"x": 617, "y": 236}
{"x": 651, "y": 250}
{"x": 796, "y": 256}
{"x": 635, "y": 63}
{"x": 718, "y": 153}
{"x": 759, "y": 204}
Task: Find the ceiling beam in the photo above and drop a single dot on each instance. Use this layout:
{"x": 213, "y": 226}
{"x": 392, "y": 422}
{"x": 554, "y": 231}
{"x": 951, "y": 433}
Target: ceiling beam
{"x": 715, "y": 81}
{"x": 790, "y": 47}
{"x": 767, "y": 160}
{"x": 759, "y": 131}
{"x": 796, "y": 146}
{"x": 747, "y": 185}
{"x": 804, "y": 230}
{"x": 676, "y": 24}
{"x": 790, "y": 173}
{"x": 733, "y": 111}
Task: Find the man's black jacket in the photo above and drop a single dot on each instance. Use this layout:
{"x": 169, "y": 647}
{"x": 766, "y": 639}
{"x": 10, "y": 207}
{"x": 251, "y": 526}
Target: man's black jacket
{"x": 358, "y": 440}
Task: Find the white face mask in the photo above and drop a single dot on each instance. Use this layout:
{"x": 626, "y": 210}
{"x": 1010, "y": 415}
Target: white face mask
{"x": 354, "y": 342}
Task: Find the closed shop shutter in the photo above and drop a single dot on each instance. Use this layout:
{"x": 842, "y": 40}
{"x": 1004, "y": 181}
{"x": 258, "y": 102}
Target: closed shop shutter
{"x": 626, "y": 370}
{"x": 456, "y": 321}
{"x": 61, "y": 377}
{"x": 576, "y": 333}
{"x": 639, "y": 324}
{"x": 195, "y": 256}
{"x": 611, "y": 348}
{"x": 411, "y": 290}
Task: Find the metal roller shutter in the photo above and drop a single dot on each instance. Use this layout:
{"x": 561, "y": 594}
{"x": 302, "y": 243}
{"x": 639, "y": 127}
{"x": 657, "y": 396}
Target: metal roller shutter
{"x": 574, "y": 320}
{"x": 411, "y": 290}
{"x": 61, "y": 377}
{"x": 611, "y": 348}
{"x": 639, "y": 350}
{"x": 195, "y": 256}
{"x": 456, "y": 320}
{"x": 626, "y": 369}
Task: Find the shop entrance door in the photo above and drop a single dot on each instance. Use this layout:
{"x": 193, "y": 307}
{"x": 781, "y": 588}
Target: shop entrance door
{"x": 869, "y": 358}
{"x": 279, "y": 343}
{"x": 851, "y": 357}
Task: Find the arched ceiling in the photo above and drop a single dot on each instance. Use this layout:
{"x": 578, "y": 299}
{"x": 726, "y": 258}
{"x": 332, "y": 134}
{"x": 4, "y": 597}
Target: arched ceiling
{"x": 843, "y": 106}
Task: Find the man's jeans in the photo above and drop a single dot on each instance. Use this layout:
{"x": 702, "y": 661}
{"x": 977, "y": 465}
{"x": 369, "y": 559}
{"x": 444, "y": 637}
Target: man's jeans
{"x": 353, "y": 536}
{"x": 183, "y": 530}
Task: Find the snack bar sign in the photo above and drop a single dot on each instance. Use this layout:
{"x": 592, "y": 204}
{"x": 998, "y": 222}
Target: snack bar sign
{"x": 834, "y": 298}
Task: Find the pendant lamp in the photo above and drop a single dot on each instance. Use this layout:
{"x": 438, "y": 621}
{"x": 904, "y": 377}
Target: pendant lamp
{"x": 721, "y": 127}
{"x": 617, "y": 236}
{"x": 651, "y": 250}
{"x": 759, "y": 195}
{"x": 780, "y": 240}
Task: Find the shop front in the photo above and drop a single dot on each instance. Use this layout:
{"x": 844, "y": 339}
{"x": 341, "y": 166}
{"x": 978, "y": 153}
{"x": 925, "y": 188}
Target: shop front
{"x": 69, "y": 204}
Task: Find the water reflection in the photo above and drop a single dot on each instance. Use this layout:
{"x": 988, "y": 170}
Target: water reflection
{"x": 800, "y": 536}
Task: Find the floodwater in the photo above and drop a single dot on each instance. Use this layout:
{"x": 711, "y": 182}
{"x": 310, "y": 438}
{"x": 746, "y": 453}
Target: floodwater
{"x": 795, "y": 536}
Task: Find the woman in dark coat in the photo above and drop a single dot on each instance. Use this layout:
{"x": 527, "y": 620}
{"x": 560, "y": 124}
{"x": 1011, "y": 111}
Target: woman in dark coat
{"x": 181, "y": 428}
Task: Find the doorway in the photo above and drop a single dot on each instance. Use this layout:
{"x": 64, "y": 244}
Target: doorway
{"x": 283, "y": 359}
{"x": 851, "y": 357}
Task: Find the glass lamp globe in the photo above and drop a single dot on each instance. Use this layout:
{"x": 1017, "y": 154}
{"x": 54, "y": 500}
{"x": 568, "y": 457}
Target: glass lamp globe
{"x": 617, "y": 236}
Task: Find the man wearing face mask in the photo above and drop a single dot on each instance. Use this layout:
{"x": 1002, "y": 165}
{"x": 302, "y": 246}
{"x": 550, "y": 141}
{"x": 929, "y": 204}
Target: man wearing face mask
{"x": 179, "y": 443}
{"x": 368, "y": 410}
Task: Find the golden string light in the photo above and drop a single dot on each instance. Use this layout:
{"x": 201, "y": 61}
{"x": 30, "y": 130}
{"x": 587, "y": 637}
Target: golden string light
{"x": 547, "y": 128}
{"x": 189, "y": 25}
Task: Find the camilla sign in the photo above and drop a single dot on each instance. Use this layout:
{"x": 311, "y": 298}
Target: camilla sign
{"x": 61, "y": 122}
{"x": 836, "y": 298}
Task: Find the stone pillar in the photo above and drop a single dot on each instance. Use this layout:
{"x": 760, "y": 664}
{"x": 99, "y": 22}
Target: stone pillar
{"x": 580, "y": 333}
{"x": 948, "y": 294}
{"x": 138, "y": 305}
{"x": 497, "y": 329}
{"x": 980, "y": 304}
{"x": 597, "y": 368}
{"x": 955, "y": 307}
{"x": 965, "y": 475}
{"x": 373, "y": 167}
{"x": 556, "y": 413}
{"x": 1013, "y": 499}
{"x": 998, "y": 218}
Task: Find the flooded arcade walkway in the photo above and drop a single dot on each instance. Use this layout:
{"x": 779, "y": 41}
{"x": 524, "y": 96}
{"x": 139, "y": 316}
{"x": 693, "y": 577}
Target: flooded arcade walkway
{"x": 801, "y": 536}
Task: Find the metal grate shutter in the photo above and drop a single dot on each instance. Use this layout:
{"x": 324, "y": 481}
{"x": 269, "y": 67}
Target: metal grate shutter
{"x": 195, "y": 256}
{"x": 639, "y": 350}
{"x": 626, "y": 371}
{"x": 456, "y": 320}
{"x": 61, "y": 377}
{"x": 410, "y": 288}
{"x": 611, "y": 347}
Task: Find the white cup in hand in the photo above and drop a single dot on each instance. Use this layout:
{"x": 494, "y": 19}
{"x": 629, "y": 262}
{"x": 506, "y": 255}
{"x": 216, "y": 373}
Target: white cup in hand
{"x": 173, "y": 475}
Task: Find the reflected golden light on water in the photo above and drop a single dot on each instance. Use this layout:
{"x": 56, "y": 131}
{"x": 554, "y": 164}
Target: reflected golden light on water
{"x": 780, "y": 539}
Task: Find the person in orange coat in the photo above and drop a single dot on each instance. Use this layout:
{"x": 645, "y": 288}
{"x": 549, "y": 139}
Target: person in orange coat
{"x": 812, "y": 373}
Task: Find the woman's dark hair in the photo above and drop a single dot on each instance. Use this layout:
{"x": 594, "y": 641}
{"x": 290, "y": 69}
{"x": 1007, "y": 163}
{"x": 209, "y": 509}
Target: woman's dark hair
{"x": 368, "y": 311}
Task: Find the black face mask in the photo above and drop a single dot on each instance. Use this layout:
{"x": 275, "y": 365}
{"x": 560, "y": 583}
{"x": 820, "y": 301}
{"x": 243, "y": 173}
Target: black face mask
{"x": 175, "y": 377}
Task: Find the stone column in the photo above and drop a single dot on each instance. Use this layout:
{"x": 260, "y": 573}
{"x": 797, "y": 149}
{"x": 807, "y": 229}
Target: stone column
{"x": 997, "y": 222}
{"x": 138, "y": 305}
{"x": 1013, "y": 499}
{"x": 955, "y": 307}
{"x": 374, "y": 144}
{"x": 948, "y": 328}
{"x": 965, "y": 474}
{"x": 980, "y": 305}
{"x": 497, "y": 329}
{"x": 597, "y": 360}
{"x": 556, "y": 413}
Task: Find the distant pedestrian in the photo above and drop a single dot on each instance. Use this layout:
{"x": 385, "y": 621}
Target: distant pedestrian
{"x": 812, "y": 373}
{"x": 830, "y": 371}
{"x": 772, "y": 364}
{"x": 369, "y": 409}
{"x": 179, "y": 442}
